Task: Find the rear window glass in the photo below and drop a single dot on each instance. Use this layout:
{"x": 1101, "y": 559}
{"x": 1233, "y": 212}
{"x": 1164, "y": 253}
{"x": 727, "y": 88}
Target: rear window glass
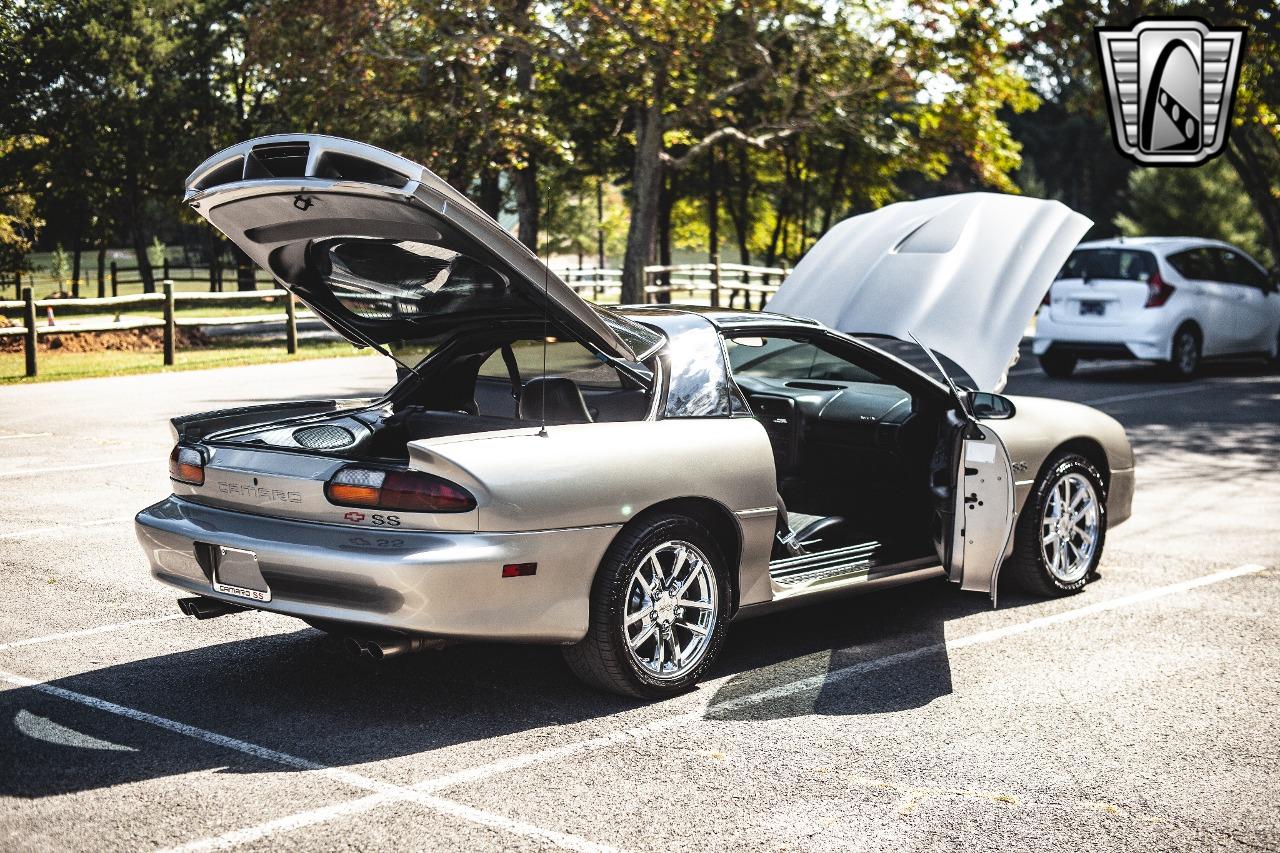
{"x": 563, "y": 358}
{"x": 407, "y": 281}
{"x": 1122, "y": 264}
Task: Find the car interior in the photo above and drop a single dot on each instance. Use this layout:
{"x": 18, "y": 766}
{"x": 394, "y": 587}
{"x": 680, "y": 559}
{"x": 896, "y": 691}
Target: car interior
{"x": 855, "y": 456}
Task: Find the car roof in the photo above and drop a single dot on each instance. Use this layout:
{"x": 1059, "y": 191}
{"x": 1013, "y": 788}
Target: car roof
{"x": 721, "y": 318}
{"x": 1165, "y": 244}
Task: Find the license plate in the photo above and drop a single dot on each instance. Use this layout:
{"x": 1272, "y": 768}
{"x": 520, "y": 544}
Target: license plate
{"x": 1094, "y": 309}
{"x": 236, "y": 572}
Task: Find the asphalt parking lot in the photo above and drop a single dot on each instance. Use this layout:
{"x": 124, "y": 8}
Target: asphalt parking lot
{"x": 1139, "y": 714}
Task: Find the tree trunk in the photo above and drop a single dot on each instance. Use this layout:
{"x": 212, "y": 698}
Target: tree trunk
{"x": 665, "y": 201}
{"x": 215, "y": 260}
{"x": 75, "y": 254}
{"x": 713, "y": 208}
{"x": 836, "y": 196}
{"x": 645, "y": 189}
{"x": 490, "y": 192}
{"x": 246, "y": 279}
{"x": 740, "y": 209}
{"x": 136, "y": 230}
{"x": 102, "y": 268}
{"x": 1244, "y": 159}
{"x": 600, "y": 222}
{"x": 527, "y": 202}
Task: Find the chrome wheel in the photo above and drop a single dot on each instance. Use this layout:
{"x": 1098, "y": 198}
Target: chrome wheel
{"x": 1069, "y": 528}
{"x": 671, "y": 609}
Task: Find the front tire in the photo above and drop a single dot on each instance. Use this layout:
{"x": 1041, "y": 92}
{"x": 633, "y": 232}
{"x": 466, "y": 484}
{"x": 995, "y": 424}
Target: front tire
{"x": 1057, "y": 366}
{"x": 1184, "y": 362}
{"x": 1061, "y": 530}
{"x": 659, "y": 611}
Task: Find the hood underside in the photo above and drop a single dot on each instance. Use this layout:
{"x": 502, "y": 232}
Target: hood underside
{"x": 384, "y": 250}
{"x": 963, "y": 273}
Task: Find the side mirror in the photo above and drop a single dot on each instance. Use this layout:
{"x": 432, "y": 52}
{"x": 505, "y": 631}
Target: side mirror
{"x": 990, "y": 407}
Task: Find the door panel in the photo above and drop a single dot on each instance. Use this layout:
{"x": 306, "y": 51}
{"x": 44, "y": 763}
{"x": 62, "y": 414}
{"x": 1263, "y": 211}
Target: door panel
{"x": 983, "y": 519}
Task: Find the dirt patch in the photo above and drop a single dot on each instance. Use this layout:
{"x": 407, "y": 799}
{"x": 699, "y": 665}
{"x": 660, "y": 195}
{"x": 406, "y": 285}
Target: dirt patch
{"x": 125, "y": 340}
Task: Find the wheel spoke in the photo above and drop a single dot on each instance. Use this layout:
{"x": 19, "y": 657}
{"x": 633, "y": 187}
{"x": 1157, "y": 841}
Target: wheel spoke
{"x": 682, "y": 556}
{"x": 694, "y": 628}
{"x": 694, "y": 574}
{"x": 636, "y": 617}
{"x": 660, "y": 653}
{"x": 697, "y": 605}
{"x": 639, "y": 639}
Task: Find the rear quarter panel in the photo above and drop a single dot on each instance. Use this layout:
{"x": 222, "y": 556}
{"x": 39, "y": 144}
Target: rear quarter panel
{"x": 583, "y": 475}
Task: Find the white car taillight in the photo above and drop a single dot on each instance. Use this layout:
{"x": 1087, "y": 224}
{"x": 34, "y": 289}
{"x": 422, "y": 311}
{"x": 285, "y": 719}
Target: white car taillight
{"x": 186, "y": 465}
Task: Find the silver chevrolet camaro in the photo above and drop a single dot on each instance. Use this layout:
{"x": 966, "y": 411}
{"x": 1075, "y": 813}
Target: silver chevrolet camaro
{"x": 625, "y": 482}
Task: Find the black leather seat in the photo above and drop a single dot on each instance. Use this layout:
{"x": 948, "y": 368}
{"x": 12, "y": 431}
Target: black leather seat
{"x": 799, "y": 533}
{"x": 564, "y": 402}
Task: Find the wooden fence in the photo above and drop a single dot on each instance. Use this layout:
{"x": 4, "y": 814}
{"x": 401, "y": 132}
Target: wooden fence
{"x": 167, "y": 300}
{"x": 722, "y": 284}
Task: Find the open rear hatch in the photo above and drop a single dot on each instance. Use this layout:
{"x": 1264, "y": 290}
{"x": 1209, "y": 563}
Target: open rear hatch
{"x": 382, "y": 249}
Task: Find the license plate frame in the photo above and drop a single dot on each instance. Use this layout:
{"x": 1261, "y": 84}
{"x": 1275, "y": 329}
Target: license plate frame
{"x": 1093, "y": 308}
{"x": 240, "y": 567}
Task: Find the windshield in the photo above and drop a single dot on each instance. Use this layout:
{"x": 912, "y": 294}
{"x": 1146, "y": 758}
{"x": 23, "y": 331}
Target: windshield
{"x": 784, "y": 358}
{"x": 1115, "y": 264}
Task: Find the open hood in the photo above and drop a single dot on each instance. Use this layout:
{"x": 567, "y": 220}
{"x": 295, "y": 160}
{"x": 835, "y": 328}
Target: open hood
{"x": 963, "y": 273}
{"x": 382, "y": 249}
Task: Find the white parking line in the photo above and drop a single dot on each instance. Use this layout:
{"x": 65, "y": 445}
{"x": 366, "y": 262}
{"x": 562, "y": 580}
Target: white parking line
{"x": 25, "y": 435}
{"x": 782, "y": 691}
{"x": 1141, "y": 395}
{"x": 89, "y": 632}
{"x": 35, "y": 472}
{"x": 63, "y": 528}
{"x": 438, "y": 804}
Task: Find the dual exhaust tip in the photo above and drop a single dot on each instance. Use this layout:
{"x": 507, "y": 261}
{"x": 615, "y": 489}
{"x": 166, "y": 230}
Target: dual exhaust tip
{"x": 357, "y": 648}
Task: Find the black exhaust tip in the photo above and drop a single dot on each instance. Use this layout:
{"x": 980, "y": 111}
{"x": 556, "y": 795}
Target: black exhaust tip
{"x": 207, "y": 608}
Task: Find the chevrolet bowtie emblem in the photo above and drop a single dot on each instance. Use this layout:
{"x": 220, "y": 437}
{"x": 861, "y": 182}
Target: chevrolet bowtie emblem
{"x": 1170, "y": 86}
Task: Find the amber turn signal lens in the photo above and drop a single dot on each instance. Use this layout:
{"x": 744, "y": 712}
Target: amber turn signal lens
{"x": 186, "y": 465}
{"x": 410, "y": 491}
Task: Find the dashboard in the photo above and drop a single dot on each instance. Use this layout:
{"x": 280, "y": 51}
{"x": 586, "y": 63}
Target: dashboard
{"x": 800, "y": 413}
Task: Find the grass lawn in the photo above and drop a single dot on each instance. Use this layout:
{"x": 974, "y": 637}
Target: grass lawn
{"x": 56, "y": 365}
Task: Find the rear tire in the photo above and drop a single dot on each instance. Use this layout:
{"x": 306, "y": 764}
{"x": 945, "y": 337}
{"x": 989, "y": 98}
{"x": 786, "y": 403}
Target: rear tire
{"x": 1274, "y": 360}
{"x": 1184, "y": 361}
{"x": 1057, "y": 366}
{"x": 672, "y": 639}
{"x": 1033, "y": 566}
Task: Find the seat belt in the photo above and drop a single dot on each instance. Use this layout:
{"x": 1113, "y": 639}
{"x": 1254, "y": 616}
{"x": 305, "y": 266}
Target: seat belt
{"x": 513, "y": 371}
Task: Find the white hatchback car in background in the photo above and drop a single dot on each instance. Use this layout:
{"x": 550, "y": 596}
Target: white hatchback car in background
{"x": 1170, "y": 299}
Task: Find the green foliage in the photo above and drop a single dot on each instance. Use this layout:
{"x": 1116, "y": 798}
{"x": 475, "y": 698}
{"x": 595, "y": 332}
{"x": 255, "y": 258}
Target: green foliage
{"x": 1205, "y": 202}
{"x": 59, "y": 266}
{"x": 156, "y": 251}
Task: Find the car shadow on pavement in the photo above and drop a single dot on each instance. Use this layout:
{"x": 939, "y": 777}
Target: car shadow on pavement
{"x": 296, "y": 693}
{"x": 788, "y": 649}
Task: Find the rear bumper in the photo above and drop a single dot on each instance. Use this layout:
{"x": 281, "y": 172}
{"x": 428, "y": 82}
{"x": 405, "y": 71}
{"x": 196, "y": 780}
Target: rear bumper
{"x": 1150, "y": 339}
{"x": 440, "y": 584}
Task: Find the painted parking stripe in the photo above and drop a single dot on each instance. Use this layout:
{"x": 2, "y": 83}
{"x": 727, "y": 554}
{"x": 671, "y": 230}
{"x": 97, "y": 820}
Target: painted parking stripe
{"x": 632, "y": 734}
{"x": 89, "y": 632}
{"x": 36, "y": 472}
{"x": 63, "y": 528}
{"x": 8, "y": 436}
{"x": 437, "y": 804}
{"x": 1142, "y": 395}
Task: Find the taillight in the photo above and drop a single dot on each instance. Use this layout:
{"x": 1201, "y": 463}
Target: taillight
{"x": 186, "y": 465}
{"x": 1158, "y": 291}
{"x": 411, "y": 491}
